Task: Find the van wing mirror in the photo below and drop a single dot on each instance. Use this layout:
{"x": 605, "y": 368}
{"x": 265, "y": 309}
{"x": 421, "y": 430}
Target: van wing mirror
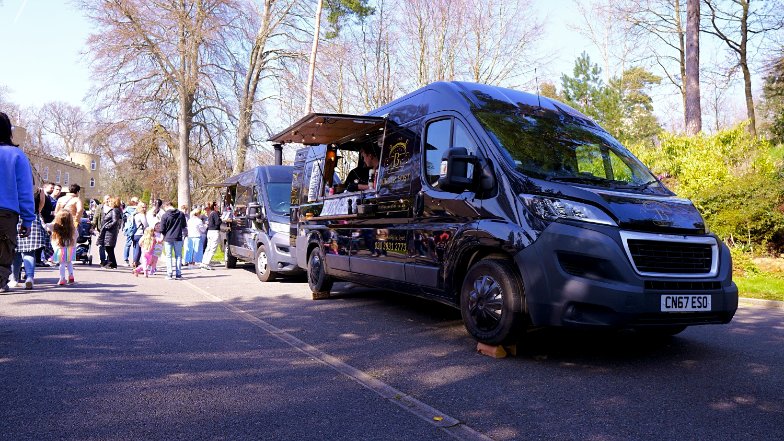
{"x": 255, "y": 211}
{"x": 457, "y": 166}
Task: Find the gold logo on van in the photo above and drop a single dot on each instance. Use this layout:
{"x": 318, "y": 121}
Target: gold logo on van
{"x": 659, "y": 216}
{"x": 398, "y": 154}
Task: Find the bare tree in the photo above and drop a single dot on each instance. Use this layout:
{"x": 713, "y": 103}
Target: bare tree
{"x": 274, "y": 16}
{"x": 484, "y": 41}
{"x": 663, "y": 24}
{"x": 313, "y": 53}
{"x": 692, "y": 79}
{"x": 500, "y": 38}
{"x": 158, "y": 52}
{"x": 735, "y": 22}
{"x": 611, "y": 28}
{"x": 356, "y": 73}
{"x": 68, "y": 123}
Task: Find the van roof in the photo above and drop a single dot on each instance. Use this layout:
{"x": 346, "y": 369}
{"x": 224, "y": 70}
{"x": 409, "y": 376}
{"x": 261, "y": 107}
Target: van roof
{"x": 262, "y": 173}
{"x": 462, "y": 96}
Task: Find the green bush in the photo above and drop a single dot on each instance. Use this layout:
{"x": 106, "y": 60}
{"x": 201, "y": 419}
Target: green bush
{"x": 735, "y": 180}
{"x": 742, "y": 264}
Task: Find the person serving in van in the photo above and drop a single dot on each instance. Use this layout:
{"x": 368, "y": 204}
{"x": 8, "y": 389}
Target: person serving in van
{"x": 361, "y": 178}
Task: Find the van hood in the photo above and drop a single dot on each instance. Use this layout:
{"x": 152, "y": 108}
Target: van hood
{"x": 654, "y": 210}
{"x": 642, "y": 212}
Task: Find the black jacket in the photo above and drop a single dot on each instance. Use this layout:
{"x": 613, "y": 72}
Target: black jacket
{"x": 173, "y": 226}
{"x": 213, "y": 221}
{"x": 110, "y": 228}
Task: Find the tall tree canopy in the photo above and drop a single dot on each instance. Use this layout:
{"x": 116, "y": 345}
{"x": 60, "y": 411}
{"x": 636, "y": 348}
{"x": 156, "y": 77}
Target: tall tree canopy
{"x": 155, "y": 59}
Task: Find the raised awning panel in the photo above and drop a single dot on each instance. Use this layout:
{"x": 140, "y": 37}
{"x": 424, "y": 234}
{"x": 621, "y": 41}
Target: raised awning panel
{"x": 323, "y": 128}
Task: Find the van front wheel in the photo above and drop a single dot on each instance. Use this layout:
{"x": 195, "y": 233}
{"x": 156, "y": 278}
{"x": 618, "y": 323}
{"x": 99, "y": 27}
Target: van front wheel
{"x": 319, "y": 282}
{"x": 491, "y": 302}
{"x": 263, "y": 271}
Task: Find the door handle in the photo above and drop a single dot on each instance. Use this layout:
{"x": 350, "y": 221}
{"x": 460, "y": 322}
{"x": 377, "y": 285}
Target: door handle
{"x": 419, "y": 204}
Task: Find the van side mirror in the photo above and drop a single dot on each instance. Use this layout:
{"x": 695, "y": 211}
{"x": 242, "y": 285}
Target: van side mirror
{"x": 255, "y": 211}
{"x": 457, "y": 167}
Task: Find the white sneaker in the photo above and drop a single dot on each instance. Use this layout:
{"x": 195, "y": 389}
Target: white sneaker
{"x": 13, "y": 283}
{"x": 29, "y": 283}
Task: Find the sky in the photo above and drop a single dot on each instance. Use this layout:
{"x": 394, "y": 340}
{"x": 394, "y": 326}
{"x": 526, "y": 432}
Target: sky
{"x": 42, "y": 59}
{"x": 44, "y": 40}
{"x": 47, "y": 38}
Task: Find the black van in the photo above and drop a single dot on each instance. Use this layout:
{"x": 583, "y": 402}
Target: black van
{"x": 257, "y": 226}
{"x": 513, "y": 207}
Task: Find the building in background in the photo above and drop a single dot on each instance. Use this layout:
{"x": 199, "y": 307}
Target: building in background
{"x": 80, "y": 168}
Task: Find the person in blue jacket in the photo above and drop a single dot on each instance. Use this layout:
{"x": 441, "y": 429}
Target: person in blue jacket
{"x": 16, "y": 198}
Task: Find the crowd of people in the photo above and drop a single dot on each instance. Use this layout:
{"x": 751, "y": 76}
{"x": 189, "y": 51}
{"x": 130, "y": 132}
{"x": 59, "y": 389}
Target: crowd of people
{"x": 44, "y": 226}
{"x": 182, "y": 237}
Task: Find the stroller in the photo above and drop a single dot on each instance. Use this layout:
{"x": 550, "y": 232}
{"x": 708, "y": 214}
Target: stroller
{"x": 83, "y": 242}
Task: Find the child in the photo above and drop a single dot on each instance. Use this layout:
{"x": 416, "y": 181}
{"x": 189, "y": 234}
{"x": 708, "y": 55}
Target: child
{"x": 157, "y": 249}
{"x": 64, "y": 235}
{"x": 148, "y": 259}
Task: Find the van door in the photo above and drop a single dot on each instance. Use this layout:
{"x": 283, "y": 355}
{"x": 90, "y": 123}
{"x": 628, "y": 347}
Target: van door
{"x": 242, "y": 237}
{"x": 380, "y": 241}
{"x": 438, "y": 214}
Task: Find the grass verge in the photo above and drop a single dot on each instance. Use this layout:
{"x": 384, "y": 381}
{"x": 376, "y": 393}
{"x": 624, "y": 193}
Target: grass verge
{"x": 761, "y": 286}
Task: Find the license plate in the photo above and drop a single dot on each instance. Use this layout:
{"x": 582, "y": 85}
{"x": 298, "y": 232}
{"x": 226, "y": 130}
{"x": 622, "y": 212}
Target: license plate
{"x": 680, "y": 303}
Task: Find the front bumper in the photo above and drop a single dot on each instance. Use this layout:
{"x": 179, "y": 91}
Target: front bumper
{"x": 577, "y": 276}
{"x": 281, "y": 256}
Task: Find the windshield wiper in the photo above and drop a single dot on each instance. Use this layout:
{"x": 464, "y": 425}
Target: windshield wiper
{"x": 644, "y": 185}
{"x": 578, "y": 179}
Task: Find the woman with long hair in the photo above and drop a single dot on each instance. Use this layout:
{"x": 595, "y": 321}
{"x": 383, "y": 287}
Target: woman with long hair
{"x": 111, "y": 230}
{"x": 64, "y": 235}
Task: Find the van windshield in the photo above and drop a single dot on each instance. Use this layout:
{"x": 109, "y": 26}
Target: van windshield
{"x": 560, "y": 149}
{"x": 279, "y": 195}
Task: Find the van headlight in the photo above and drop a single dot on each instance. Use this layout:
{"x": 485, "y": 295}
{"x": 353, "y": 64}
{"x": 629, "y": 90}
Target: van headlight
{"x": 556, "y": 208}
{"x": 279, "y": 228}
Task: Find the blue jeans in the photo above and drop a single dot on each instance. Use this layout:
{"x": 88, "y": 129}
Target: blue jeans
{"x": 26, "y": 257}
{"x": 128, "y": 246}
{"x": 173, "y": 253}
{"x": 193, "y": 249}
{"x": 137, "y": 249}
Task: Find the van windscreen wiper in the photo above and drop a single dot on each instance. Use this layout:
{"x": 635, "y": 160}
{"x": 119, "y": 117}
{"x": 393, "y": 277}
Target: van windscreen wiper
{"x": 585, "y": 179}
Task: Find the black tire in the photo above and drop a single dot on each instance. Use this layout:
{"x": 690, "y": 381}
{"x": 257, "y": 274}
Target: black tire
{"x": 319, "y": 282}
{"x": 491, "y": 302}
{"x": 263, "y": 271}
{"x": 661, "y": 331}
{"x": 229, "y": 261}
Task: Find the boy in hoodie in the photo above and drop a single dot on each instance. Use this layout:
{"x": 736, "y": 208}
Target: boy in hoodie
{"x": 16, "y": 199}
{"x": 173, "y": 226}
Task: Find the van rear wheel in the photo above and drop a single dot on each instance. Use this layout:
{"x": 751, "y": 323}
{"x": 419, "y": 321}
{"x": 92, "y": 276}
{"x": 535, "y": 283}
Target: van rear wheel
{"x": 263, "y": 271}
{"x": 229, "y": 261}
{"x": 491, "y": 302}
{"x": 319, "y": 282}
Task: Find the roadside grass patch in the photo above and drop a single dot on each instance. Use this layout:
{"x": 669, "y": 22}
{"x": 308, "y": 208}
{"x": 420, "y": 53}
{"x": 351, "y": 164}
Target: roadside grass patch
{"x": 761, "y": 285}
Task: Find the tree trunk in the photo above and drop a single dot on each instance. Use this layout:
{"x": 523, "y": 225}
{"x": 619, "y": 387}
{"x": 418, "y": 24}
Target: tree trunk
{"x": 256, "y": 65}
{"x": 681, "y": 57}
{"x": 313, "y": 52}
{"x": 243, "y": 135}
{"x": 185, "y": 122}
{"x": 692, "y": 80}
{"x": 744, "y": 66}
